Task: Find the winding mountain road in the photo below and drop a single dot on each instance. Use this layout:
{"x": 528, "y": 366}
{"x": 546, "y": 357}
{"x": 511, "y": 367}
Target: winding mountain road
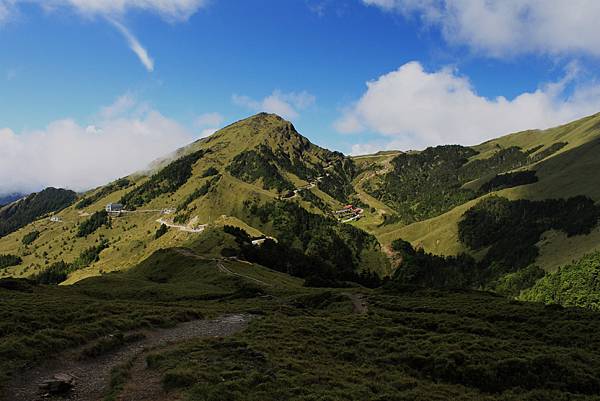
{"x": 180, "y": 227}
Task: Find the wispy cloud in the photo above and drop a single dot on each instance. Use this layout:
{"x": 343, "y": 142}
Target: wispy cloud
{"x": 114, "y": 11}
{"x": 135, "y": 45}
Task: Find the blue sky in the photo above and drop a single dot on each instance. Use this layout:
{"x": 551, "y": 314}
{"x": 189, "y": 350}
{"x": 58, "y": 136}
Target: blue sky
{"x": 71, "y": 81}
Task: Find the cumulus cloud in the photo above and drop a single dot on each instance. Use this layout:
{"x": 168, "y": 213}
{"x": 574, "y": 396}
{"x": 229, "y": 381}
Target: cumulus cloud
{"x": 287, "y": 105}
{"x": 414, "y": 108}
{"x": 505, "y": 27}
{"x": 68, "y": 154}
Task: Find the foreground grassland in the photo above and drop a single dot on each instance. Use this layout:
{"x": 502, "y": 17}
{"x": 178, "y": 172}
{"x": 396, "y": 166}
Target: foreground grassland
{"x": 411, "y": 345}
{"x": 37, "y": 322}
{"x": 394, "y": 343}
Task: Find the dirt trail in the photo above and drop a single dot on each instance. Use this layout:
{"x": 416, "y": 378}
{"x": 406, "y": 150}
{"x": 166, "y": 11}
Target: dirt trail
{"x": 225, "y": 270}
{"x": 220, "y": 266}
{"x": 93, "y": 375}
{"x": 359, "y": 303}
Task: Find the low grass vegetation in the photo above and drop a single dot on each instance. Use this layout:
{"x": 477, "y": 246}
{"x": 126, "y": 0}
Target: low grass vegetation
{"x": 411, "y": 345}
{"x": 38, "y": 321}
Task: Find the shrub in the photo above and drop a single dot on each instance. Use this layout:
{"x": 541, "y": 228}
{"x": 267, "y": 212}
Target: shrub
{"x": 162, "y": 230}
{"x": 508, "y": 180}
{"x": 96, "y": 220}
{"x": 30, "y": 237}
{"x": 209, "y": 172}
{"x": 9, "y": 260}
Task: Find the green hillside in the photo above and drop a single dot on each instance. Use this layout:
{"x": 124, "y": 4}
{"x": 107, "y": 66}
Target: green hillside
{"x": 28, "y": 209}
{"x": 262, "y": 176}
{"x": 436, "y": 292}
{"x": 302, "y": 343}
{"x": 210, "y": 183}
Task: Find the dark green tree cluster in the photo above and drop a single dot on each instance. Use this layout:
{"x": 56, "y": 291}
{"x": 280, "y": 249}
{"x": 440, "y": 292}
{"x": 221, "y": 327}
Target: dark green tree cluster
{"x": 34, "y": 206}
{"x": 121, "y": 183}
{"x": 320, "y": 246}
{"x": 162, "y": 230}
{"x": 95, "y": 221}
{"x": 317, "y": 269}
{"x": 549, "y": 151}
{"x": 508, "y": 180}
{"x": 167, "y": 180}
{"x": 58, "y": 272}
{"x": 209, "y": 172}
{"x": 308, "y": 196}
{"x": 337, "y": 182}
{"x": 427, "y": 270}
{"x": 501, "y": 161}
{"x": 30, "y": 237}
{"x": 55, "y": 274}
{"x": 89, "y": 255}
{"x": 426, "y": 184}
{"x": 199, "y": 192}
{"x": 511, "y": 229}
{"x": 576, "y": 284}
{"x": 252, "y": 165}
{"x": 9, "y": 260}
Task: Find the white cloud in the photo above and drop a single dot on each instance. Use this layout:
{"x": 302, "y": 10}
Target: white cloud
{"x": 68, "y": 154}
{"x": 169, "y": 10}
{"x": 207, "y": 132}
{"x": 506, "y": 27}
{"x": 135, "y": 46}
{"x": 287, "y": 105}
{"x": 414, "y": 108}
{"x": 122, "y": 105}
{"x": 4, "y": 12}
{"x": 209, "y": 120}
{"x": 209, "y": 123}
{"x": 114, "y": 11}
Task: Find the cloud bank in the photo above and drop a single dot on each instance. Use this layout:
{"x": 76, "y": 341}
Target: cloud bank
{"x": 287, "y": 105}
{"x": 506, "y": 27}
{"x": 413, "y": 108}
{"x": 126, "y": 137}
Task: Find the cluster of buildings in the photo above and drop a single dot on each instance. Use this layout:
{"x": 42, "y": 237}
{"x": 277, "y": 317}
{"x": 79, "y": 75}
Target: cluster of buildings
{"x": 348, "y": 213}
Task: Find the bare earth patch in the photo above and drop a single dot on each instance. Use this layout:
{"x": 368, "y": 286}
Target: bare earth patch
{"x": 92, "y": 376}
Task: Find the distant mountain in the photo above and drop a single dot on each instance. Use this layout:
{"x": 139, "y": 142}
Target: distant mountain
{"x": 24, "y": 211}
{"x": 6, "y": 199}
{"x": 496, "y": 216}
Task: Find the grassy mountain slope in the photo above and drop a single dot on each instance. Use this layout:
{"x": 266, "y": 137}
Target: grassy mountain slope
{"x": 563, "y": 173}
{"x": 417, "y": 196}
{"x": 22, "y": 212}
{"x": 210, "y": 182}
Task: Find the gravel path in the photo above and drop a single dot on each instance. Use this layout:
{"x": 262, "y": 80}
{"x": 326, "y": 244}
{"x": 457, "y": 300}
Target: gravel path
{"x": 93, "y": 376}
{"x": 359, "y": 303}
